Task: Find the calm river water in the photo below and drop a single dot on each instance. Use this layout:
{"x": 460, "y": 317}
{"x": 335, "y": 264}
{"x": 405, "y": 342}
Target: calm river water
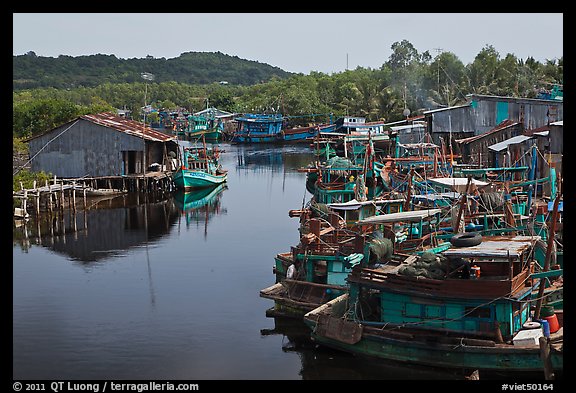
{"x": 162, "y": 290}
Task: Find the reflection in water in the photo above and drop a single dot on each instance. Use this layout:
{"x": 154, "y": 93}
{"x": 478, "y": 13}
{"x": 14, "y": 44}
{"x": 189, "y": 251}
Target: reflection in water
{"x": 107, "y": 228}
{"x": 272, "y": 158}
{"x": 198, "y": 206}
{"x": 322, "y": 363}
{"x": 154, "y": 298}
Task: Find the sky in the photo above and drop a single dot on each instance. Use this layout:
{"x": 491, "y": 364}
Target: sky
{"x": 294, "y": 42}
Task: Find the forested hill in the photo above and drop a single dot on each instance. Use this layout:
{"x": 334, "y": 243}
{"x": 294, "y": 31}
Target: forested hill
{"x": 31, "y": 71}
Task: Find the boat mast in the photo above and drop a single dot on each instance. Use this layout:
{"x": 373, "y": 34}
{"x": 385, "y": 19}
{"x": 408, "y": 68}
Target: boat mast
{"x": 551, "y": 240}
{"x": 205, "y": 153}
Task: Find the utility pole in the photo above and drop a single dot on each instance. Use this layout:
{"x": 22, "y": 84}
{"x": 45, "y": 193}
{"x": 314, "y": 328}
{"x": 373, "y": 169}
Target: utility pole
{"x": 438, "y": 51}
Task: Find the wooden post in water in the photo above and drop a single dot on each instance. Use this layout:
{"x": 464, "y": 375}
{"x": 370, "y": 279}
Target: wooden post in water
{"x": 84, "y": 194}
{"x": 61, "y": 196}
{"x": 544, "y": 343}
{"x": 74, "y": 196}
{"x": 24, "y": 201}
{"x": 49, "y": 197}
{"x": 36, "y": 200}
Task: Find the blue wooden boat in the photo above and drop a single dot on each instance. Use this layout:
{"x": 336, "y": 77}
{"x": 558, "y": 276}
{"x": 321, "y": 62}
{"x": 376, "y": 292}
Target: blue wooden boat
{"x": 270, "y": 128}
{"x": 430, "y": 311}
{"x": 200, "y": 168}
{"x": 258, "y": 128}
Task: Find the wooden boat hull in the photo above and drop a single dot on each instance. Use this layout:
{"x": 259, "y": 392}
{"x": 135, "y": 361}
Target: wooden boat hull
{"x": 288, "y": 135}
{"x": 189, "y": 179}
{"x": 293, "y": 299}
{"x": 329, "y": 329}
{"x": 209, "y": 135}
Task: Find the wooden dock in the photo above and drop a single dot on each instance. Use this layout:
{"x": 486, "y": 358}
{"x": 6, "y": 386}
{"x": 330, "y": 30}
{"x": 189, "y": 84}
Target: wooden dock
{"x": 64, "y": 193}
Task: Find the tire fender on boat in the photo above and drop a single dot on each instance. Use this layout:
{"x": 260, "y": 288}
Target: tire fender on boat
{"x": 467, "y": 239}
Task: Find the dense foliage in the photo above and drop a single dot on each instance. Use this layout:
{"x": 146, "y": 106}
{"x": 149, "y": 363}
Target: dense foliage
{"x": 67, "y": 72}
{"x": 408, "y": 80}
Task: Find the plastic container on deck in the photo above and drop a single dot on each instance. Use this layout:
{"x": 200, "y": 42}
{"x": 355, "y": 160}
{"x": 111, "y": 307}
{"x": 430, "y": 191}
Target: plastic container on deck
{"x": 552, "y": 321}
{"x": 545, "y": 327}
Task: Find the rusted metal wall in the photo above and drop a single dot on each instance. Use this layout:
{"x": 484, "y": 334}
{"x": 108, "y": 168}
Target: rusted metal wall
{"x": 456, "y": 120}
{"x": 489, "y": 111}
{"x": 86, "y": 149}
{"x": 556, "y": 139}
{"x": 476, "y": 151}
{"x": 485, "y": 112}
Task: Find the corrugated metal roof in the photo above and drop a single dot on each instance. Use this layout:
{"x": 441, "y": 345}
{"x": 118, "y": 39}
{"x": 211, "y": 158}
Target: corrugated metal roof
{"x": 502, "y": 126}
{"x": 512, "y": 141}
{"x": 456, "y": 181}
{"x": 510, "y": 99}
{"x": 354, "y": 204}
{"x": 437, "y": 196}
{"x": 406, "y": 121}
{"x": 445, "y": 109}
{"x": 214, "y": 112}
{"x": 415, "y": 215}
{"x": 417, "y": 124}
{"x": 424, "y": 145}
{"x": 131, "y": 127}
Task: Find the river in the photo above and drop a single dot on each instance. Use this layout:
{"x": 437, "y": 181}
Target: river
{"x": 140, "y": 289}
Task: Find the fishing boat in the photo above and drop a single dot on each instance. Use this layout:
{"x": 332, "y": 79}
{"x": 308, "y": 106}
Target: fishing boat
{"x": 315, "y": 270}
{"x": 200, "y": 168}
{"x": 467, "y": 308}
{"x": 258, "y": 128}
{"x": 335, "y": 238}
{"x": 271, "y": 128}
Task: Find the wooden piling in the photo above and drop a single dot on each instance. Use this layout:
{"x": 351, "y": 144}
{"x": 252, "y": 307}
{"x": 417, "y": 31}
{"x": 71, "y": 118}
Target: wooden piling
{"x": 74, "y": 196}
{"x": 36, "y": 200}
{"x": 24, "y": 211}
{"x": 84, "y": 193}
{"x": 545, "y": 356}
{"x": 62, "y": 196}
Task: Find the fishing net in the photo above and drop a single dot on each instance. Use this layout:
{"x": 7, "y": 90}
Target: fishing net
{"x": 382, "y": 248}
{"x": 492, "y": 200}
{"x": 319, "y": 209}
{"x": 428, "y": 265}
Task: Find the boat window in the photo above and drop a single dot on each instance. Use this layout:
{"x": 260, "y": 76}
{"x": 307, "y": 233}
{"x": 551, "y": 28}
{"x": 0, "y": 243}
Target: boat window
{"x": 477, "y": 312}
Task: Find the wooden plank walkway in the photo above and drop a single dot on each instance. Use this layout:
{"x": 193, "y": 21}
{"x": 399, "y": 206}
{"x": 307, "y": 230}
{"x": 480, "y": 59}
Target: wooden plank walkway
{"x": 58, "y": 191}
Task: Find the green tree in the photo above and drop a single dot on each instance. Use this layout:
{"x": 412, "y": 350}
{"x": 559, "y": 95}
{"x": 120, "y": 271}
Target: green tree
{"x": 482, "y": 71}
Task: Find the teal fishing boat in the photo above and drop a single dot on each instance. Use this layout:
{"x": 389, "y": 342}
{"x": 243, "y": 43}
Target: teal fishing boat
{"x": 211, "y": 129}
{"x": 466, "y": 308}
{"x": 334, "y": 239}
{"x": 200, "y": 168}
